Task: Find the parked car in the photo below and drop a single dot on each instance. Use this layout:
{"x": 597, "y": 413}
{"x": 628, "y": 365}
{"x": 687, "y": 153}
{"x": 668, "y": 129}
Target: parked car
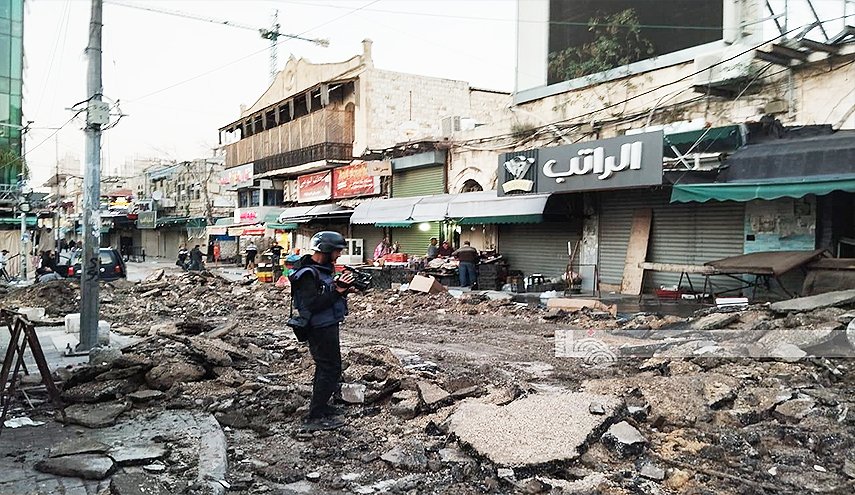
{"x": 112, "y": 265}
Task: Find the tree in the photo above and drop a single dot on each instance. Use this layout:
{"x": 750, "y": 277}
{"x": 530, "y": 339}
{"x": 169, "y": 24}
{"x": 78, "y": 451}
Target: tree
{"x": 617, "y": 42}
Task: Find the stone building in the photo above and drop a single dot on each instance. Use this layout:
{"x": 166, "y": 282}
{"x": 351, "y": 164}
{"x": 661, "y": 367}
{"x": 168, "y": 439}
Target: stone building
{"x": 309, "y": 142}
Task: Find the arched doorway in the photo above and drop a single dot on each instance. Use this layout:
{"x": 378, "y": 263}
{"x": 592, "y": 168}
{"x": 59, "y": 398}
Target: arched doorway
{"x": 471, "y": 186}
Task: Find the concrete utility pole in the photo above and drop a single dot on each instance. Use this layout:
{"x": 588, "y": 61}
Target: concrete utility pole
{"x": 97, "y": 114}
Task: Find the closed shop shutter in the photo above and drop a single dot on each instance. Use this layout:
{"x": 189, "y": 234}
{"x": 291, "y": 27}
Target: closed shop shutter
{"x": 414, "y": 241}
{"x": 422, "y": 181}
{"x": 683, "y": 233}
{"x": 539, "y": 247}
{"x": 370, "y": 235}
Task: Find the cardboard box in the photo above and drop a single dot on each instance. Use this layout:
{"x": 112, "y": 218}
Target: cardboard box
{"x": 428, "y": 285}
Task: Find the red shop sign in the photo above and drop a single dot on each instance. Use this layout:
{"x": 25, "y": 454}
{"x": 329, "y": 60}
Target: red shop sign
{"x": 314, "y": 187}
{"x": 353, "y": 180}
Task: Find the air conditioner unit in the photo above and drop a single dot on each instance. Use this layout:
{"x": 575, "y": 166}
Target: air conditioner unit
{"x": 724, "y": 67}
{"x": 450, "y": 125}
{"x": 355, "y": 253}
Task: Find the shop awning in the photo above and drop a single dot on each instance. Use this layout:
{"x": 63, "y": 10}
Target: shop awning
{"x": 30, "y": 221}
{"x": 166, "y": 221}
{"x": 303, "y": 214}
{"x": 283, "y": 226}
{"x": 482, "y": 207}
{"x": 485, "y": 207}
{"x": 788, "y": 187}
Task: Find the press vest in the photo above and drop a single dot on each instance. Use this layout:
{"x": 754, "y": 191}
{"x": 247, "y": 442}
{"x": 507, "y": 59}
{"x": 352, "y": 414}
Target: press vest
{"x": 324, "y": 278}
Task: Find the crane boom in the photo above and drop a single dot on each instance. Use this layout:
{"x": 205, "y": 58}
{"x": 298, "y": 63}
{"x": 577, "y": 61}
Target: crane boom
{"x": 273, "y": 34}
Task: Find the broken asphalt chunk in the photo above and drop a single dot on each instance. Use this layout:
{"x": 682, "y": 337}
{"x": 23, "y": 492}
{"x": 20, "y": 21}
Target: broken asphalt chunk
{"x": 624, "y": 439}
{"x": 86, "y": 466}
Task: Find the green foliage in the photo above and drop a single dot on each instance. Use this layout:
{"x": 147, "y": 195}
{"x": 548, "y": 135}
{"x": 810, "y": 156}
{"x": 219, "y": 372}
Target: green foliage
{"x": 617, "y": 42}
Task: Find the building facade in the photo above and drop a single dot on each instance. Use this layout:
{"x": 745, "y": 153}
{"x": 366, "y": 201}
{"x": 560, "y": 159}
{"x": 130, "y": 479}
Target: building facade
{"x": 11, "y": 102}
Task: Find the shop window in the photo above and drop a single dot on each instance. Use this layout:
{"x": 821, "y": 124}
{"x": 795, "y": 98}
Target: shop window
{"x": 255, "y": 198}
{"x": 273, "y": 197}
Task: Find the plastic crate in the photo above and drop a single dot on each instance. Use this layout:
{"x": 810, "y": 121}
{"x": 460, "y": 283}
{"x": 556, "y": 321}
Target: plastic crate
{"x": 669, "y": 294}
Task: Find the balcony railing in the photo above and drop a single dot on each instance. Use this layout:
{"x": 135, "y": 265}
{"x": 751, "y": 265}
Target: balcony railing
{"x": 323, "y": 151}
{"x": 9, "y": 193}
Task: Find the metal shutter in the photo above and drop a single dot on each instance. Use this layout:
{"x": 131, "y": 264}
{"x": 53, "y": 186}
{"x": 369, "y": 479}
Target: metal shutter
{"x": 414, "y": 241}
{"x": 422, "y": 181}
{"x": 684, "y": 233}
{"x": 539, "y": 247}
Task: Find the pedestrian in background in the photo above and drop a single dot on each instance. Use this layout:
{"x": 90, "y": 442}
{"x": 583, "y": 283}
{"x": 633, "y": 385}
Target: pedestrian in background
{"x": 251, "y": 252}
{"x": 196, "y": 263}
{"x": 468, "y": 258}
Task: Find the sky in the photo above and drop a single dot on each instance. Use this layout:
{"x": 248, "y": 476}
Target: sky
{"x": 178, "y": 80}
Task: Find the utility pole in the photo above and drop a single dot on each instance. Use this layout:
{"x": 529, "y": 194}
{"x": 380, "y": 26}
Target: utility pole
{"x": 97, "y": 114}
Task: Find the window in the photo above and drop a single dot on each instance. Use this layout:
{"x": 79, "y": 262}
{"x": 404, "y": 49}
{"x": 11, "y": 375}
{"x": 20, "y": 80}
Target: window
{"x": 256, "y": 198}
{"x": 273, "y": 197}
{"x": 243, "y": 198}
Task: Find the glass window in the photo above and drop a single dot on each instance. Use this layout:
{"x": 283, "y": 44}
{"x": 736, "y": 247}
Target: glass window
{"x": 5, "y": 85}
{"x": 256, "y": 198}
{"x": 5, "y": 52}
{"x": 106, "y": 257}
{"x": 16, "y": 87}
{"x": 18, "y": 10}
{"x": 18, "y": 29}
{"x": 5, "y": 27}
{"x": 5, "y": 9}
{"x": 17, "y": 53}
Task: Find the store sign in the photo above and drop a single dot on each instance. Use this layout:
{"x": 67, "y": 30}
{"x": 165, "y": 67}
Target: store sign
{"x": 147, "y": 220}
{"x": 379, "y": 168}
{"x": 353, "y": 180}
{"x": 314, "y": 187}
{"x": 621, "y": 162}
{"x": 237, "y": 177}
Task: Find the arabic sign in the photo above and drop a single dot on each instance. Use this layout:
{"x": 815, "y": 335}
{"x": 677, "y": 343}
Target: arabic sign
{"x": 379, "y": 168}
{"x": 353, "y": 180}
{"x": 314, "y": 187}
{"x": 237, "y": 177}
{"x": 147, "y": 220}
{"x": 620, "y": 162}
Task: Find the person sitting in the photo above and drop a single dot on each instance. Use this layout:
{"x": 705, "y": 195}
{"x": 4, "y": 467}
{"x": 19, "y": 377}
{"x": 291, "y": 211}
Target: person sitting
{"x": 383, "y": 248}
{"x": 432, "y": 248}
{"x": 445, "y": 249}
{"x": 47, "y": 268}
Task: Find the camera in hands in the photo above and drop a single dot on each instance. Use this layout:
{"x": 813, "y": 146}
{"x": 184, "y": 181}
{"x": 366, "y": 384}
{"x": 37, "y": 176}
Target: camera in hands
{"x": 361, "y": 279}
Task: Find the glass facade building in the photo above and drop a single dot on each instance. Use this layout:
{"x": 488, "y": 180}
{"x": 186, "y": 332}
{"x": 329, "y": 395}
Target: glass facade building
{"x": 11, "y": 75}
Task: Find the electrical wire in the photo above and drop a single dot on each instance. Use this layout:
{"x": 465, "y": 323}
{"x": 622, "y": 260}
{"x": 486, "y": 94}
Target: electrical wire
{"x": 665, "y": 85}
{"x": 584, "y": 24}
{"x": 265, "y": 49}
{"x": 61, "y": 33}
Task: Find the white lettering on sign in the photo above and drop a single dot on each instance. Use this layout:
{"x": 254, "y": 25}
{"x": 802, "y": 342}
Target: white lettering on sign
{"x": 594, "y": 160}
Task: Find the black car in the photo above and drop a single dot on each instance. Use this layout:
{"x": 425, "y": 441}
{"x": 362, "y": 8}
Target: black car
{"x": 112, "y": 265}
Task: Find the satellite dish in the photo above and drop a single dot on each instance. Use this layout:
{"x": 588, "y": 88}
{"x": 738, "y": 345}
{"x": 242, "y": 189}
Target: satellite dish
{"x": 157, "y": 195}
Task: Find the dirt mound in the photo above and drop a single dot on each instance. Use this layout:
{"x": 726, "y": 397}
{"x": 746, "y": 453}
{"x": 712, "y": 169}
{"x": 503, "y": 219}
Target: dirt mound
{"x": 58, "y": 297}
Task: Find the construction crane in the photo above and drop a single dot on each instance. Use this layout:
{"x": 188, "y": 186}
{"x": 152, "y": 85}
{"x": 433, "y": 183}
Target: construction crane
{"x": 272, "y": 34}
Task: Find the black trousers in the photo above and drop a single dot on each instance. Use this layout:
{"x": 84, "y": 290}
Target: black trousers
{"x": 326, "y": 352}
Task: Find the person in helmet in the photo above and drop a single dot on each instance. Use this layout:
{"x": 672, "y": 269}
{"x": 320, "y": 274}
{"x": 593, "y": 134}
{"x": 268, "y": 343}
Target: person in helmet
{"x": 319, "y": 298}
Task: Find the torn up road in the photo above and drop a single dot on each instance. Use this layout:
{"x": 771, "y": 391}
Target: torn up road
{"x": 456, "y": 395}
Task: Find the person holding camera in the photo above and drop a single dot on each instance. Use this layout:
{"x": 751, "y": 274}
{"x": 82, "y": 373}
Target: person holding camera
{"x": 319, "y": 298}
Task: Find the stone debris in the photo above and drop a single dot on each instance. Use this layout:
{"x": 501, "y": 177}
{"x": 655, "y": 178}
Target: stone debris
{"x": 652, "y": 472}
{"x": 136, "y": 484}
{"x": 535, "y": 430}
{"x": 466, "y": 393}
{"x": 95, "y": 415}
{"x": 86, "y": 466}
{"x": 137, "y": 455}
{"x": 624, "y": 439}
{"x": 79, "y": 446}
{"x": 410, "y": 456}
{"x": 810, "y": 303}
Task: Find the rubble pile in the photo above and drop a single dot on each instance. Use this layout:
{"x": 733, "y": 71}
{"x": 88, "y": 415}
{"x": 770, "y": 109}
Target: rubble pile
{"x": 467, "y": 394}
{"x": 58, "y": 297}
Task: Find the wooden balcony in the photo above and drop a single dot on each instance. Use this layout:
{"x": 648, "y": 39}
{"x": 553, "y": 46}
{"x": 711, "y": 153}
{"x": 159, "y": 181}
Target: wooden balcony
{"x": 309, "y": 138}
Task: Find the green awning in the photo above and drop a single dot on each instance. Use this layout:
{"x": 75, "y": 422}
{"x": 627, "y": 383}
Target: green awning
{"x": 31, "y": 221}
{"x": 224, "y": 221}
{"x": 197, "y": 222}
{"x": 165, "y": 221}
{"x": 785, "y": 187}
{"x": 534, "y": 218}
{"x": 283, "y": 226}
{"x": 394, "y": 224}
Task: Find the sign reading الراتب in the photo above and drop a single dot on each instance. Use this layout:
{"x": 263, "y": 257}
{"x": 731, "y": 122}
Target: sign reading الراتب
{"x": 353, "y": 180}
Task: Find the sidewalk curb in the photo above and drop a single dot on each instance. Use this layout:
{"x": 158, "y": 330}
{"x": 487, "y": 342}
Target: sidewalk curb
{"x": 213, "y": 461}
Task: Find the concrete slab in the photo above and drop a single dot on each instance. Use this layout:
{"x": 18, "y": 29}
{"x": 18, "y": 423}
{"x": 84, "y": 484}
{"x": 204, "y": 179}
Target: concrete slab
{"x": 531, "y": 431}
{"x": 86, "y": 466}
{"x": 136, "y": 484}
{"x": 79, "y": 446}
{"x": 829, "y": 299}
{"x": 137, "y": 455}
{"x": 95, "y": 415}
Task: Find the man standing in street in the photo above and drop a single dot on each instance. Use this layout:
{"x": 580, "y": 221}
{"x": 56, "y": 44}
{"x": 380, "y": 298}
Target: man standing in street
{"x": 468, "y": 258}
{"x": 251, "y": 251}
{"x": 319, "y": 297}
{"x": 196, "y": 259}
